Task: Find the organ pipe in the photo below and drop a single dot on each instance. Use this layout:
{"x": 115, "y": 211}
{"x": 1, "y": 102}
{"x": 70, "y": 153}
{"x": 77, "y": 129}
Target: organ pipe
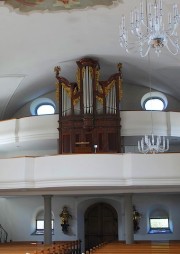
{"x": 89, "y": 91}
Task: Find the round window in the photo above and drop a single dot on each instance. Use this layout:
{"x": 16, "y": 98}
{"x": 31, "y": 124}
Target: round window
{"x": 154, "y": 101}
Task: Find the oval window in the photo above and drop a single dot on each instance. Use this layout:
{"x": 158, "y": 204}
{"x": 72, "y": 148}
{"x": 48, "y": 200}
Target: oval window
{"x": 154, "y": 104}
{"x": 154, "y": 101}
{"x": 42, "y": 106}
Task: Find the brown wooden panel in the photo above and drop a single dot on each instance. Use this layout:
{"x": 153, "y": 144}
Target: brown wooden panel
{"x": 83, "y": 149}
{"x": 66, "y": 143}
{"x": 112, "y": 141}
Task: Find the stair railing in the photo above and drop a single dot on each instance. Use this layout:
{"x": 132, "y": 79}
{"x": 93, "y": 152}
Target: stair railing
{"x": 3, "y": 235}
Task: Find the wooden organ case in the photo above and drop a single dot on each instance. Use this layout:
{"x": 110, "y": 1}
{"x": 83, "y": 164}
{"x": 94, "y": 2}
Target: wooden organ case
{"x": 89, "y": 113}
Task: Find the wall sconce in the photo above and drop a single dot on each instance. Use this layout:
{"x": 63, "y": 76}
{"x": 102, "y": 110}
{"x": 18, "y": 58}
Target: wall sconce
{"x": 136, "y": 219}
{"x": 65, "y": 216}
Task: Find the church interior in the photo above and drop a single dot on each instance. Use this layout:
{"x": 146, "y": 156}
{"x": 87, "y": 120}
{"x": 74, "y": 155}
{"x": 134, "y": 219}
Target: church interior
{"x": 99, "y": 166}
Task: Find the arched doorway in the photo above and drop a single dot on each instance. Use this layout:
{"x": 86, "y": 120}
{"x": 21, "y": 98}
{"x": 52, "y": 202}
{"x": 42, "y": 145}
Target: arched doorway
{"x": 101, "y": 224}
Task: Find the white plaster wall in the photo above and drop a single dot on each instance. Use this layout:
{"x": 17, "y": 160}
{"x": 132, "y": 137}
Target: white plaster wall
{"x": 133, "y": 93}
{"x": 38, "y": 135}
{"x": 91, "y": 170}
{"x": 33, "y": 152}
{"x": 131, "y": 100}
{"x": 138, "y": 123}
{"x": 57, "y": 205}
{"x": 31, "y": 128}
{"x": 25, "y": 110}
{"x": 17, "y": 215}
{"x": 146, "y": 202}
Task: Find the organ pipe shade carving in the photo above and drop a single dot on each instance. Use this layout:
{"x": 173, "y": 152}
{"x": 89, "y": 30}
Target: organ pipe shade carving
{"x": 104, "y": 89}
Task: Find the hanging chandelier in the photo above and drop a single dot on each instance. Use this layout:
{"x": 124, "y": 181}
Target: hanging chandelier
{"x": 153, "y": 144}
{"x": 153, "y": 29}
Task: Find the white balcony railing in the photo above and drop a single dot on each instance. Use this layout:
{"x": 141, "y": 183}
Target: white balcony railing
{"x": 112, "y": 173}
{"x": 92, "y": 173}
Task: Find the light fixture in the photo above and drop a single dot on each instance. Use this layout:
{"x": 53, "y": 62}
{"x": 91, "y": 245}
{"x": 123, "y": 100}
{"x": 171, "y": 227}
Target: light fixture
{"x": 153, "y": 144}
{"x": 95, "y": 148}
{"x": 153, "y": 29}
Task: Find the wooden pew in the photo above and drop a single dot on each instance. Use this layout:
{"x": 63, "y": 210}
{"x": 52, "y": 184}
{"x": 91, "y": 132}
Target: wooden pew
{"x": 140, "y": 248}
{"x": 39, "y": 248}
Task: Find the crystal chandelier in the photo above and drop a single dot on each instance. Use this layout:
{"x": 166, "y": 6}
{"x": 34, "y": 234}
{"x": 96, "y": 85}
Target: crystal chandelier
{"x": 152, "y": 144}
{"x": 152, "y": 29}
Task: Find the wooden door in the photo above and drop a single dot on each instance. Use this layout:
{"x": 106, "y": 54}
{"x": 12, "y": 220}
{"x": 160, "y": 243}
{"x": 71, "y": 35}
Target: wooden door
{"x": 101, "y": 225}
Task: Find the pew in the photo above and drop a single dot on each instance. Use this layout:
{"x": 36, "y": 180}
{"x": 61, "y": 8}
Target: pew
{"x": 137, "y": 248}
{"x": 105, "y": 248}
{"x": 70, "y": 247}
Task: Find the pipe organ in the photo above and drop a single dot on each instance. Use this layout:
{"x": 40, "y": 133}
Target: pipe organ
{"x": 89, "y": 111}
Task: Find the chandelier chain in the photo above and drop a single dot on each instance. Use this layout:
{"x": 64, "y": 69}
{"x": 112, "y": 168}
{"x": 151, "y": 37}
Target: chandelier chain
{"x": 152, "y": 143}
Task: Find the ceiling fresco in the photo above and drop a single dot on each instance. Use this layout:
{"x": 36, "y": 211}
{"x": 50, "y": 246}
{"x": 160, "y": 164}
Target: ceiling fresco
{"x": 54, "y": 5}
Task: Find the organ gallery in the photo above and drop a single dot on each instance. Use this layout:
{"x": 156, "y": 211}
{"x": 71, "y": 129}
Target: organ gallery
{"x": 89, "y": 110}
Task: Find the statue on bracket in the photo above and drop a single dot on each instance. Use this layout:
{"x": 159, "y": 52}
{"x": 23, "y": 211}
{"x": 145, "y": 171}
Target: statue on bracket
{"x": 65, "y": 216}
{"x": 136, "y": 219}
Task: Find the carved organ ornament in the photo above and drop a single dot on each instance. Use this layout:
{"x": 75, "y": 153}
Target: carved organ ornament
{"x": 89, "y": 109}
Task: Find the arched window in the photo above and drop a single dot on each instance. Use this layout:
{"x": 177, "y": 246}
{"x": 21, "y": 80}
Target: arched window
{"x": 154, "y": 104}
{"x": 159, "y": 221}
{"x": 154, "y": 101}
{"x": 42, "y": 106}
{"x": 45, "y": 109}
{"x": 40, "y": 223}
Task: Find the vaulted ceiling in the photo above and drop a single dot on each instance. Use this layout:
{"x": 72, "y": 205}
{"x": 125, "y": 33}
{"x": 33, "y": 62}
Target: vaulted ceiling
{"x": 37, "y": 35}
